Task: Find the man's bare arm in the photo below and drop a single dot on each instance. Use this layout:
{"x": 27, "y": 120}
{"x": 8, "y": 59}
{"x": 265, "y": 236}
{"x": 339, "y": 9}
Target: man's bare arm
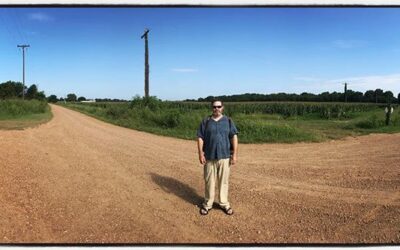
{"x": 200, "y": 144}
{"x": 234, "y": 142}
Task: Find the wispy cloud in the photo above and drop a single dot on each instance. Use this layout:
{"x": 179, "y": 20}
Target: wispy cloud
{"x": 39, "y": 17}
{"x": 184, "y": 70}
{"x": 359, "y": 83}
{"x": 306, "y": 79}
{"x": 348, "y": 44}
{"x": 32, "y": 33}
{"x": 387, "y": 82}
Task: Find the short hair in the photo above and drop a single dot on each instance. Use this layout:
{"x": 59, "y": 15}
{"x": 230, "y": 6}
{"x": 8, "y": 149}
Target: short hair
{"x": 216, "y": 100}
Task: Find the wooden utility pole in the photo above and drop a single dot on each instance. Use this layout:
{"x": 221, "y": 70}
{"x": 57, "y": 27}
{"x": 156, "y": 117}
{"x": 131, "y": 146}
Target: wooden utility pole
{"x": 146, "y": 63}
{"x": 23, "y": 68}
{"x": 345, "y": 92}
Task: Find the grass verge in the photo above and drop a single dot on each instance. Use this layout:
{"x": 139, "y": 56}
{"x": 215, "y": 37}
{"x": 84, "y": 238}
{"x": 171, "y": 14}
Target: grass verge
{"x": 18, "y": 114}
{"x": 182, "y": 121}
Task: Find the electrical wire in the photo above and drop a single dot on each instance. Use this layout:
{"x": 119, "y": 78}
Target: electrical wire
{"x": 6, "y": 25}
{"x": 12, "y": 25}
{"x": 17, "y": 28}
{"x": 18, "y": 21}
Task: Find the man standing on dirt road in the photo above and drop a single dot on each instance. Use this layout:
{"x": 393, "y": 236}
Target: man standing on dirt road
{"x": 217, "y": 143}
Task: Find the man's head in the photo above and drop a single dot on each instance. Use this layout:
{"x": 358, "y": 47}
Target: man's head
{"x": 217, "y": 107}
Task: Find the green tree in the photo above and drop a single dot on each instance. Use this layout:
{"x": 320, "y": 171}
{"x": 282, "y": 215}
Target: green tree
{"x": 52, "y": 99}
{"x": 10, "y": 89}
{"x": 388, "y": 95}
{"x": 369, "y": 96}
{"x": 354, "y": 96}
{"x": 379, "y": 96}
{"x": 325, "y": 97}
{"x": 40, "y": 96}
{"x": 71, "y": 97}
{"x": 81, "y": 98}
{"x": 32, "y": 92}
{"x": 337, "y": 97}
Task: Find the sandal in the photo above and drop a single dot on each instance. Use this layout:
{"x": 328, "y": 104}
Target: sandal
{"x": 228, "y": 211}
{"x": 204, "y": 211}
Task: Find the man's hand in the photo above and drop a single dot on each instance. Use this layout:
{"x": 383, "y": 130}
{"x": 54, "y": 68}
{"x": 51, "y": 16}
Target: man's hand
{"x": 202, "y": 159}
{"x": 233, "y": 159}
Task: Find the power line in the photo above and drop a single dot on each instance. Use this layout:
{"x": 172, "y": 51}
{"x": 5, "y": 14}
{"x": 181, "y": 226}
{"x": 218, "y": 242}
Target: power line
{"x": 18, "y": 22}
{"x": 14, "y": 19}
{"x": 14, "y": 27}
{"x": 8, "y": 29}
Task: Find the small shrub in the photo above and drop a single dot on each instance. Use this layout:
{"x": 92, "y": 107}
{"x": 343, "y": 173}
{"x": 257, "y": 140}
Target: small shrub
{"x": 168, "y": 119}
{"x": 116, "y": 111}
{"x": 136, "y": 102}
{"x": 370, "y": 123}
{"x": 151, "y": 102}
{"x": 146, "y": 114}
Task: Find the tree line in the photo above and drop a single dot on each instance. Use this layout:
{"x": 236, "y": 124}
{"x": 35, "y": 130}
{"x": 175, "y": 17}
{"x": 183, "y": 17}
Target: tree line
{"x": 371, "y": 96}
{"x": 70, "y": 98}
{"x": 13, "y": 90}
{"x": 73, "y": 98}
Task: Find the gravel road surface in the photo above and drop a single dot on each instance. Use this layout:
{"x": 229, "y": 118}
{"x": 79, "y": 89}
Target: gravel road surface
{"x": 76, "y": 179}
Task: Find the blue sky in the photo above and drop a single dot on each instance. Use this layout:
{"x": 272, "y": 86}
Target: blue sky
{"x": 197, "y": 52}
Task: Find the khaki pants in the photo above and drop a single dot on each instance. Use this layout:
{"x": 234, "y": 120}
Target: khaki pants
{"x": 216, "y": 172}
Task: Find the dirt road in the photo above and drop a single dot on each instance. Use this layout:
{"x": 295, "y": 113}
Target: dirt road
{"x": 79, "y": 180}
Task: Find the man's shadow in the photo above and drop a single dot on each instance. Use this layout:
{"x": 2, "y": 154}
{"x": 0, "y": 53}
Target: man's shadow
{"x": 182, "y": 190}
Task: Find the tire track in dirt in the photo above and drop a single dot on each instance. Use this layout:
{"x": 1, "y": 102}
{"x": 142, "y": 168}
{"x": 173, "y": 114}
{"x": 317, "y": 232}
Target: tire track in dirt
{"x": 79, "y": 180}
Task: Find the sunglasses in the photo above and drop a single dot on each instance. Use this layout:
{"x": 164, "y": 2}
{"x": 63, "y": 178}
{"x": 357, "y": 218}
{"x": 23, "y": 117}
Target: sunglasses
{"x": 217, "y": 107}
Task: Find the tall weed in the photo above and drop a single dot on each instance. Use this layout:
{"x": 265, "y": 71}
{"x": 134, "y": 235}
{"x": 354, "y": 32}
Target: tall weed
{"x": 371, "y": 122}
{"x": 15, "y": 108}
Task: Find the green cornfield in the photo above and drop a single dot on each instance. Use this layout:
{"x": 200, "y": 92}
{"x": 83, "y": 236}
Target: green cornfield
{"x": 286, "y": 109}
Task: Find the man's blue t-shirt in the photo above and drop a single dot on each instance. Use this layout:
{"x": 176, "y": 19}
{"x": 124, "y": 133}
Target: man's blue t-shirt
{"x": 217, "y": 137}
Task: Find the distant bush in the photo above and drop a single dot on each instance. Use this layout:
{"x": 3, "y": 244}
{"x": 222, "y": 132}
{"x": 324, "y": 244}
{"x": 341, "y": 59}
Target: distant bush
{"x": 52, "y": 99}
{"x": 151, "y": 102}
{"x": 71, "y": 97}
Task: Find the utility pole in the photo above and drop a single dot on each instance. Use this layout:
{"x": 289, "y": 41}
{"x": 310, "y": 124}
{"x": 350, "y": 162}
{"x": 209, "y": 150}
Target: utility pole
{"x": 146, "y": 63}
{"x": 23, "y": 68}
{"x": 345, "y": 92}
